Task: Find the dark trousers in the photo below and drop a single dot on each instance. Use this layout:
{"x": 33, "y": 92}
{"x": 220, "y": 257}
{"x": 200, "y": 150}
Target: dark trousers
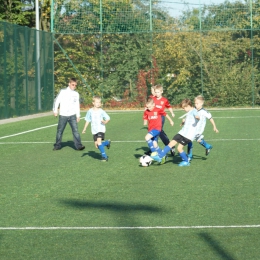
{"x": 72, "y": 120}
{"x": 163, "y": 135}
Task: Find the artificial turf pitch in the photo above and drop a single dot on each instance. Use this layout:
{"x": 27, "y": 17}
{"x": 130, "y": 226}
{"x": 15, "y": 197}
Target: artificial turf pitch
{"x": 68, "y": 204}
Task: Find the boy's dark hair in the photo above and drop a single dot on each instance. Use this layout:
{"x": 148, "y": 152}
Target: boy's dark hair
{"x": 73, "y": 79}
{"x": 186, "y": 102}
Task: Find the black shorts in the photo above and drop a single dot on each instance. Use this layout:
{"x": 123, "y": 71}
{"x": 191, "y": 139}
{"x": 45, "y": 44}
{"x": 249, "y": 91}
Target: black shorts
{"x": 181, "y": 139}
{"x": 99, "y": 135}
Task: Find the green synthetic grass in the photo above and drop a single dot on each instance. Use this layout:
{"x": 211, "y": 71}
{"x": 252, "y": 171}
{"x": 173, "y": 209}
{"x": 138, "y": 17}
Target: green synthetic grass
{"x": 197, "y": 208}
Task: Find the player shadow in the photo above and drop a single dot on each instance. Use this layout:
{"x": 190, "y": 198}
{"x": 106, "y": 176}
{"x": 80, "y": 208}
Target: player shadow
{"x": 198, "y": 157}
{"x": 69, "y": 144}
{"x": 143, "y": 149}
{"x": 177, "y": 159}
{"x": 215, "y": 246}
{"x": 92, "y": 154}
{"x": 124, "y": 216}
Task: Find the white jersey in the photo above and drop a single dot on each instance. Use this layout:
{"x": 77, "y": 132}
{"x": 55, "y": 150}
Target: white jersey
{"x": 204, "y": 115}
{"x": 68, "y": 100}
{"x": 189, "y": 129}
{"x": 94, "y": 116}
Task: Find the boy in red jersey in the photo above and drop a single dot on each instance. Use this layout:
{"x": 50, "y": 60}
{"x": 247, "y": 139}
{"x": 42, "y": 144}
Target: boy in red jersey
{"x": 162, "y": 103}
{"x": 153, "y": 116}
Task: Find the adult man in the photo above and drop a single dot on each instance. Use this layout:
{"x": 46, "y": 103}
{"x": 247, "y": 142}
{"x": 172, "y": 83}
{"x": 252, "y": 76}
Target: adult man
{"x": 68, "y": 100}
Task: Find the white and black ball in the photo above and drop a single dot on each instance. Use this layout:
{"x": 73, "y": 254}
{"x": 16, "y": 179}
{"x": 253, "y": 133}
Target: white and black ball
{"x": 145, "y": 160}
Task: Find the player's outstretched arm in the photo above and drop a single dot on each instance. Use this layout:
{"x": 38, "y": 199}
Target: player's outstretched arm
{"x": 85, "y": 127}
{"x": 171, "y": 111}
{"x": 170, "y": 120}
{"x": 214, "y": 125}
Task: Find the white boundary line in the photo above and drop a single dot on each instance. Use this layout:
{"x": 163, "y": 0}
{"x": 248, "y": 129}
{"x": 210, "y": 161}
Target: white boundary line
{"x": 137, "y": 141}
{"x": 25, "y": 132}
{"x": 44, "y": 127}
{"x": 125, "y": 228}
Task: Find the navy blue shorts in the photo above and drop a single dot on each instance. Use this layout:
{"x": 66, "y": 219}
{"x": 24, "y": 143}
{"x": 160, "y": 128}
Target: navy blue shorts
{"x": 99, "y": 135}
{"x": 181, "y": 139}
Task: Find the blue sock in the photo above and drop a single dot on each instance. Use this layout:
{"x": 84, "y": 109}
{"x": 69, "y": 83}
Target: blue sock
{"x": 205, "y": 144}
{"x": 163, "y": 152}
{"x": 105, "y": 143}
{"x": 150, "y": 144}
{"x": 184, "y": 157}
{"x": 189, "y": 149}
{"x": 102, "y": 150}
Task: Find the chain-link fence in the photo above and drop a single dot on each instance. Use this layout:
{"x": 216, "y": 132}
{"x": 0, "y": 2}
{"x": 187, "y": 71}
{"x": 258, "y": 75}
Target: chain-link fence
{"x": 26, "y": 71}
{"x": 122, "y": 47}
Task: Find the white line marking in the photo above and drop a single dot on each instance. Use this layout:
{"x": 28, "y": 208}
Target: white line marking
{"x": 25, "y": 132}
{"x": 40, "y": 128}
{"x": 244, "y": 117}
{"x": 125, "y": 228}
{"x": 137, "y": 141}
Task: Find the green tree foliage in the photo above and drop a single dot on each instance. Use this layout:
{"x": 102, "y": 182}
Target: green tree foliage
{"x": 22, "y": 12}
{"x": 212, "y": 50}
{"x": 219, "y": 62}
{"x": 17, "y": 12}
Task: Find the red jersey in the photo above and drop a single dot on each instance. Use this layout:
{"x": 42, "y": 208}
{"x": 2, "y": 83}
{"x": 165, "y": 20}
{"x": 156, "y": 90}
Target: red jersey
{"x": 161, "y": 103}
{"x": 154, "y": 118}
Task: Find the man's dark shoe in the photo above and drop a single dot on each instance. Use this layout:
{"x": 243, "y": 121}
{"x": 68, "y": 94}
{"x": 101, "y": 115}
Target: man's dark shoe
{"x": 81, "y": 148}
{"x": 56, "y": 148}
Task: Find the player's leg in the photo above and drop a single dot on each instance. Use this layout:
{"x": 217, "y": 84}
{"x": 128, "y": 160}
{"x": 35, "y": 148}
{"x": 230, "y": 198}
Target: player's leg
{"x": 205, "y": 144}
{"x": 150, "y": 137}
{"x": 60, "y": 129}
{"x": 101, "y": 147}
{"x": 189, "y": 150}
{"x": 106, "y": 143}
{"x": 160, "y": 154}
{"x": 76, "y": 137}
{"x": 163, "y": 136}
{"x": 183, "y": 155}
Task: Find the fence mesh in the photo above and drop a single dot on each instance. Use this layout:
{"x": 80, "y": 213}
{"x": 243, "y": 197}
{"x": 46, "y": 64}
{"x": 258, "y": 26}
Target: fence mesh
{"x": 122, "y": 47}
{"x": 26, "y": 71}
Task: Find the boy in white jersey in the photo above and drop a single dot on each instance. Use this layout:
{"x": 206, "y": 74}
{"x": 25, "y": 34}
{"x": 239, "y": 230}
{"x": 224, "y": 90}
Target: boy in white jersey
{"x": 184, "y": 136}
{"x": 204, "y": 115}
{"x": 98, "y": 119}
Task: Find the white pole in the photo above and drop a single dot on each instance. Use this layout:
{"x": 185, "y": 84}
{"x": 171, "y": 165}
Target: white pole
{"x": 38, "y": 65}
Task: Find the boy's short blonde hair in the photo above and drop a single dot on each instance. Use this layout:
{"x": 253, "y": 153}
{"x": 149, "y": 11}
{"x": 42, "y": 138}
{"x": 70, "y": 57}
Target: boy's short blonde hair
{"x": 158, "y": 87}
{"x": 96, "y": 98}
{"x": 200, "y": 97}
{"x": 186, "y": 102}
{"x": 149, "y": 101}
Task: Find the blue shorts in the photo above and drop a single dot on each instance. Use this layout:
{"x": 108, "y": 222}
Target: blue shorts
{"x": 155, "y": 133}
{"x": 99, "y": 135}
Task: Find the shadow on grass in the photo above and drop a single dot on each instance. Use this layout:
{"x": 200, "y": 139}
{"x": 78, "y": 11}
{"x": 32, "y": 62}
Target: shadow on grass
{"x": 124, "y": 214}
{"x": 143, "y": 149}
{"x": 215, "y": 245}
{"x": 69, "y": 144}
{"x": 92, "y": 154}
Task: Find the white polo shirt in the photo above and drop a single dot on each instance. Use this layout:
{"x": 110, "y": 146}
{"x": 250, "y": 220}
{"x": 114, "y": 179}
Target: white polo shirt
{"x": 68, "y": 100}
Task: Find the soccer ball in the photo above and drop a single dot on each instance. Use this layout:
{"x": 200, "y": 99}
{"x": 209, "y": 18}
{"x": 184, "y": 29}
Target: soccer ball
{"x": 145, "y": 160}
